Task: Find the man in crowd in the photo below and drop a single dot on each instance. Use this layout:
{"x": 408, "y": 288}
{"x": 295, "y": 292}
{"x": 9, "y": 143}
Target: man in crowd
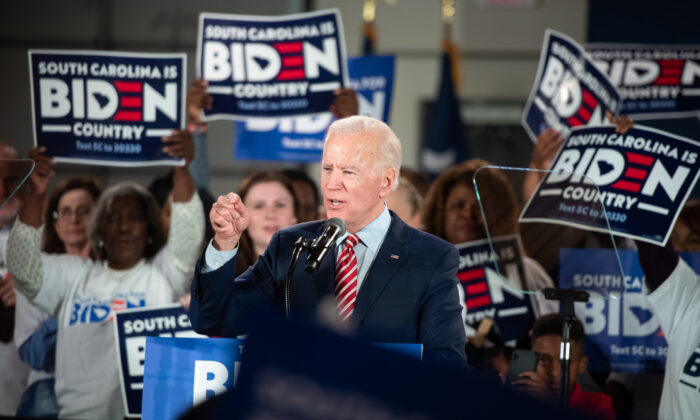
{"x": 544, "y": 382}
{"x": 390, "y": 282}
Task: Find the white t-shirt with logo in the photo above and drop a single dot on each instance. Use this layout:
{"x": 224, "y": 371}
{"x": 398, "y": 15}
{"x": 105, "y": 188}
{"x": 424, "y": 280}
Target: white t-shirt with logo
{"x": 677, "y": 305}
{"x": 83, "y": 295}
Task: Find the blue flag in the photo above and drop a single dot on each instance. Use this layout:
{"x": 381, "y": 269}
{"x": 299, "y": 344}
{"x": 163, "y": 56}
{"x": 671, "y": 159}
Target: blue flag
{"x": 446, "y": 138}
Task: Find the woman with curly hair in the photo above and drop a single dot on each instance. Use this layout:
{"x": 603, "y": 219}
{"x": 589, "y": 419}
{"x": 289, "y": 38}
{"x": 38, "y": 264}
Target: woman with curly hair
{"x": 452, "y": 212}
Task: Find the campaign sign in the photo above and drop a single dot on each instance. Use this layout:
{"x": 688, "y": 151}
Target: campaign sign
{"x": 488, "y": 294}
{"x": 298, "y": 371}
{"x": 622, "y": 334}
{"x": 271, "y": 66}
{"x": 643, "y": 178}
{"x": 106, "y": 108}
{"x": 569, "y": 90}
{"x": 183, "y": 372}
{"x": 131, "y": 329}
{"x": 301, "y": 139}
{"x": 654, "y": 81}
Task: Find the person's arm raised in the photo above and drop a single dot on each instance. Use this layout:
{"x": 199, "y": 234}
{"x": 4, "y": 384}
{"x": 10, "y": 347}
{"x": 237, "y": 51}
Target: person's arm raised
{"x": 35, "y": 193}
{"x": 187, "y": 221}
{"x": 345, "y": 103}
{"x": 230, "y": 218}
{"x": 180, "y": 145}
{"x": 548, "y": 142}
{"x": 197, "y": 100}
{"x": 24, "y": 260}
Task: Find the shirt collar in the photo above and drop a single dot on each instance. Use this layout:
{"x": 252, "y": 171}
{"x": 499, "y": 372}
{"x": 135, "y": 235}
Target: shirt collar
{"x": 373, "y": 234}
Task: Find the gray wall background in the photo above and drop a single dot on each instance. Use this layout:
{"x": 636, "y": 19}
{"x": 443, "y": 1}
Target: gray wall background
{"x": 499, "y": 53}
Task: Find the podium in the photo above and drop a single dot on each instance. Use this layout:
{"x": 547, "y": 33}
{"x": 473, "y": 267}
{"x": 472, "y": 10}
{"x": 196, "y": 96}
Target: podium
{"x": 180, "y": 373}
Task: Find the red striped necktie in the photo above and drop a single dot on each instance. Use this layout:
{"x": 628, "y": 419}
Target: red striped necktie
{"x": 346, "y": 278}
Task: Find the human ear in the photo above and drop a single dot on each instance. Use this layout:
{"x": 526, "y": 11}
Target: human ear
{"x": 388, "y": 181}
{"x": 582, "y": 364}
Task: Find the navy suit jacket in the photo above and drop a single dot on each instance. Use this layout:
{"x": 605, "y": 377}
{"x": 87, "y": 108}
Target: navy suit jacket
{"x": 408, "y": 296}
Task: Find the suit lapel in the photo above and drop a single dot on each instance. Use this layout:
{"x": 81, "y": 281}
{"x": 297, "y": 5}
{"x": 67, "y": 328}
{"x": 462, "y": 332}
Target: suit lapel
{"x": 383, "y": 269}
{"x": 325, "y": 275}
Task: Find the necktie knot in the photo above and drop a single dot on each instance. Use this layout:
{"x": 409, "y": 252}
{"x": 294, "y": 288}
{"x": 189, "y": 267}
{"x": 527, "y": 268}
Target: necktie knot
{"x": 351, "y": 241}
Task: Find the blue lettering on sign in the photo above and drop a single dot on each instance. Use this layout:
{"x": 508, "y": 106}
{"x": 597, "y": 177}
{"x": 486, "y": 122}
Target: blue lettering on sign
{"x": 692, "y": 366}
{"x": 93, "y": 309}
{"x": 106, "y": 108}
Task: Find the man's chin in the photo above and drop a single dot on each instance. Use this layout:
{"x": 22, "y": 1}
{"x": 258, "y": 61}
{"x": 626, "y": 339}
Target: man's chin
{"x": 554, "y": 389}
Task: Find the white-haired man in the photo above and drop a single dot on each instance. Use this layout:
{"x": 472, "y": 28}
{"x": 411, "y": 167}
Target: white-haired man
{"x": 392, "y": 283}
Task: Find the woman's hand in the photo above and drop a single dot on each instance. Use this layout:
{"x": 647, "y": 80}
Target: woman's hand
{"x": 43, "y": 170}
{"x": 179, "y": 145}
{"x": 197, "y": 100}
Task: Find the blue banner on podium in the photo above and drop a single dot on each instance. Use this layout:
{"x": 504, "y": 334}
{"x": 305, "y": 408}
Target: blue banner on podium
{"x": 182, "y": 372}
{"x": 299, "y": 371}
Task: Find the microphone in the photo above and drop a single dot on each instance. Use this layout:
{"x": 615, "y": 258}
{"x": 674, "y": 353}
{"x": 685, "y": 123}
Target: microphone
{"x": 332, "y": 230}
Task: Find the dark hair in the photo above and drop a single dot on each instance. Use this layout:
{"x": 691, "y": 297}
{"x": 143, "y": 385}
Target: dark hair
{"x": 151, "y": 212}
{"x": 161, "y": 187}
{"x": 690, "y": 217}
{"x": 246, "y": 256}
{"x": 553, "y": 324}
{"x": 498, "y": 198}
{"x": 301, "y": 176}
{"x": 52, "y": 243}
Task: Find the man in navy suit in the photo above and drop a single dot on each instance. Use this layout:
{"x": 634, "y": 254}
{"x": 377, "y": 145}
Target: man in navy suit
{"x": 405, "y": 284}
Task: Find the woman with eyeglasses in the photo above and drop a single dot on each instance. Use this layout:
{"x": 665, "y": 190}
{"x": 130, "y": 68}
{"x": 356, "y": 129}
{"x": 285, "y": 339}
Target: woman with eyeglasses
{"x": 134, "y": 266}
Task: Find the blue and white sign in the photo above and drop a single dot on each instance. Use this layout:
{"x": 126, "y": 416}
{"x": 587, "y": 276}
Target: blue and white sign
{"x": 131, "y": 329}
{"x": 183, "y": 372}
{"x": 622, "y": 333}
{"x": 496, "y": 292}
{"x": 655, "y": 81}
{"x": 643, "y": 178}
{"x": 271, "y": 66}
{"x": 569, "y": 90}
{"x": 301, "y": 139}
{"x": 106, "y": 108}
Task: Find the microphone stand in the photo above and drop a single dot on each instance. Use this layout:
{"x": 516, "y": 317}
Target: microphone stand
{"x": 300, "y": 245}
{"x": 567, "y": 297}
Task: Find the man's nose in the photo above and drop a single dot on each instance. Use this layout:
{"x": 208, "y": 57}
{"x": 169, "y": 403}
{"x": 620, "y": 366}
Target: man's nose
{"x": 555, "y": 372}
{"x": 334, "y": 180}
